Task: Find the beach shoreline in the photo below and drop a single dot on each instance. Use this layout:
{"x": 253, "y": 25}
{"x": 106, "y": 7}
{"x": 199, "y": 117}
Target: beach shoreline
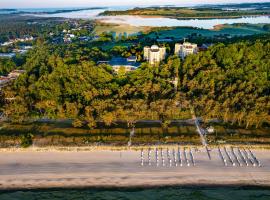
{"x": 142, "y": 187}
{"x": 123, "y": 169}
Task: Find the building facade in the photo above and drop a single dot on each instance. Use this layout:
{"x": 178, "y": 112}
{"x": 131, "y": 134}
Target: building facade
{"x": 182, "y": 50}
{"x": 124, "y": 64}
{"x": 154, "y": 54}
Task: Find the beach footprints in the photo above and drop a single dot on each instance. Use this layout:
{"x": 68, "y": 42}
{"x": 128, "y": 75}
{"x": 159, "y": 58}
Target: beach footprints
{"x": 168, "y": 157}
{"x": 238, "y": 157}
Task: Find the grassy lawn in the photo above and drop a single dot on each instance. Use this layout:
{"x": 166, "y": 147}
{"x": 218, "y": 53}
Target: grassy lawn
{"x": 108, "y": 46}
{"x": 181, "y": 32}
{"x": 119, "y": 28}
{"x": 233, "y": 30}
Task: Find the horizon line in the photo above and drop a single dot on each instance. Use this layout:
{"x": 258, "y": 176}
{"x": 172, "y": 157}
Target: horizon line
{"x": 158, "y": 5}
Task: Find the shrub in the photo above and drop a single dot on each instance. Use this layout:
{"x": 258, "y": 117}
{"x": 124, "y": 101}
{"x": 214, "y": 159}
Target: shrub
{"x": 26, "y": 140}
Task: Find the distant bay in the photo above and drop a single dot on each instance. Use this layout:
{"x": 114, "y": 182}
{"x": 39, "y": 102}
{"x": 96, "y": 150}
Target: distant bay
{"x": 157, "y": 21}
{"x": 136, "y": 21}
{"x": 169, "y": 22}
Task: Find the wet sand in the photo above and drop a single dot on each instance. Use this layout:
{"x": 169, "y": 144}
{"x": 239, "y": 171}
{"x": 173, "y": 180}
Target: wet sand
{"x": 104, "y": 168}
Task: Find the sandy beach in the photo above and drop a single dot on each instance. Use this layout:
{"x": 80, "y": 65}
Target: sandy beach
{"x": 105, "y": 168}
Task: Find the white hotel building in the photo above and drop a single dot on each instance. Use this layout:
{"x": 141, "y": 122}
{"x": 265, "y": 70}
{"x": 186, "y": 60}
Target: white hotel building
{"x": 182, "y": 50}
{"x": 154, "y": 54}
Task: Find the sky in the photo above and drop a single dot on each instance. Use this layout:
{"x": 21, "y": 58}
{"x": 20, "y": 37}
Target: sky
{"x": 94, "y": 3}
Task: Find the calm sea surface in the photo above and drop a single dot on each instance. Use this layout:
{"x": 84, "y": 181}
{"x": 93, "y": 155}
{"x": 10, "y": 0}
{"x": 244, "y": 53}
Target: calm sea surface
{"x": 169, "y": 22}
{"x": 172, "y": 193}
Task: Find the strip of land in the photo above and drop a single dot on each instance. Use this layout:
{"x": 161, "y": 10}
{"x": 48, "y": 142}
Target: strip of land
{"x": 122, "y": 168}
{"x": 186, "y": 13}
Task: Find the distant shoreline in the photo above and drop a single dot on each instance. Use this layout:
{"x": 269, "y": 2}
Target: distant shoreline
{"x": 56, "y": 11}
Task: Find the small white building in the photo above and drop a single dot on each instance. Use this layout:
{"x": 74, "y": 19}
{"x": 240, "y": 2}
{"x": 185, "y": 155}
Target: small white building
{"x": 67, "y": 40}
{"x": 132, "y": 59}
{"x": 7, "y": 55}
{"x": 4, "y": 80}
{"x": 71, "y": 35}
{"x": 154, "y": 54}
{"x": 210, "y": 129}
{"x": 7, "y": 43}
{"x": 182, "y": 50}
{"x": 15, "y": 73}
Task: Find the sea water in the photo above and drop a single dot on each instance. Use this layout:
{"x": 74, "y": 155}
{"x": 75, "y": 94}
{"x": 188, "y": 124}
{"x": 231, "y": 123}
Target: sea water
{"x": 160, "y": 193}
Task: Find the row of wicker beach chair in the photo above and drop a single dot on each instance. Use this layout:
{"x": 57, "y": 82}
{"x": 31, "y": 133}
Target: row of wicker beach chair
{"x": 238, "y": 157}
{"x": 167, "y": 157}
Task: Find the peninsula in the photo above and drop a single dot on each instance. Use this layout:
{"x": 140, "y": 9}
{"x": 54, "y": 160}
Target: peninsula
{"x": 204, "y": 12}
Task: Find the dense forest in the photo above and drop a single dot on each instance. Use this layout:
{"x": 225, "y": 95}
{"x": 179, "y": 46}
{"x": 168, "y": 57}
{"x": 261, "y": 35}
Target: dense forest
{"x": 228, "y": 82}
{"x": 12, "y": 27}
{"x": 231, "y": 82}
{"x": 15, "y": 26}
